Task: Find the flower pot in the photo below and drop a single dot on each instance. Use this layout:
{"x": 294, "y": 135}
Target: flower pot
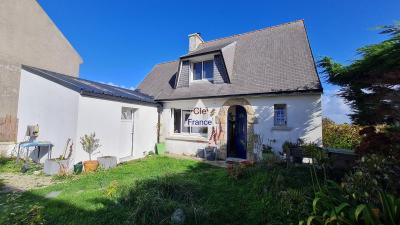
{"x": 107, "y": 162}
{"x": 91, "y": 165}
{"x": 160, "y": 147}
{"x": 376, "y": 212}
{"x": 55, "y": 166}
{"x": 78, "y": 168}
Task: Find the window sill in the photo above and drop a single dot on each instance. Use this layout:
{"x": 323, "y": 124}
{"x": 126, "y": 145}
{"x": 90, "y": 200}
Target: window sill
{"x": 204, "y": 81}
{"x": 283, "y": 128}
{"x": 187, "y": 138}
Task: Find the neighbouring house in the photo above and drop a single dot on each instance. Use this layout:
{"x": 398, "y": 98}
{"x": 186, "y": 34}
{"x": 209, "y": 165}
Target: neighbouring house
{"x": 261, "y": 83}
{"x": 27, "y": 36}
{"x": 49, "y": 93}
{"x": 67, "y": 107}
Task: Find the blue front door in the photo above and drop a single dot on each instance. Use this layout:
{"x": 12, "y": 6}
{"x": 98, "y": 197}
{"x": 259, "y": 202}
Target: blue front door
{"x": 237, "y": 132}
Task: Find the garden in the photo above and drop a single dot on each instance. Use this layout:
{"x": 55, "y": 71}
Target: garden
{"x": 167, "y": 190}
{"x": 164, "y": 190}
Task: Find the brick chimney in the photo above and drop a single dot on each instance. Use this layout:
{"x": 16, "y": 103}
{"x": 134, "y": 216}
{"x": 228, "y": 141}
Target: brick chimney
{"x": 194, "y": 41}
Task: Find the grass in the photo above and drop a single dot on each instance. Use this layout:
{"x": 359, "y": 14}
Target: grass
{"x": 9, "y": 165}
{"x": 149, "y": 191}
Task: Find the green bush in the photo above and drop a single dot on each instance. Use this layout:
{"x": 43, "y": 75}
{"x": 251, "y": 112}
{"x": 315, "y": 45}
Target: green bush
{"x": 381, "y": 140}
{"x": 372, "y": 175}
{"x": 330, "y": 209}
{"x": 345, "y": 136}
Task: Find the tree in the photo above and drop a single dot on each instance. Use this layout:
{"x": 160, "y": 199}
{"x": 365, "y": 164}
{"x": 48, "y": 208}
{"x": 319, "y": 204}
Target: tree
{"x": 371, "y": 84}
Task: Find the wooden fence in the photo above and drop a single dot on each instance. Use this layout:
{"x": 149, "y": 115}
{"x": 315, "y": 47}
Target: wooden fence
{"x": 8, "y": 128}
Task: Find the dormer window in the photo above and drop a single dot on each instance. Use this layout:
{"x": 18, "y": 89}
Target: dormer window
{"x": 203, "y": 70}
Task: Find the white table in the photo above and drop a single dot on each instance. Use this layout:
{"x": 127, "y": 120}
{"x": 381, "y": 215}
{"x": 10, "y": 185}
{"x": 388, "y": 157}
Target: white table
{"x": 37, "y": 145}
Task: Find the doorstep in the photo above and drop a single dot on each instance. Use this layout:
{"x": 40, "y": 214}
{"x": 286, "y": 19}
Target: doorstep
{"x": 187, "y": 138}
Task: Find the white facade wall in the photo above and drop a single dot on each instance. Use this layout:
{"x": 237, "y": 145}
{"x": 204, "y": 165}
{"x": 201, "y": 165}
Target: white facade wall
{"x": 53, "y": 107}
{"x": 304, "y": 120}
{"x": 104, "y": 118}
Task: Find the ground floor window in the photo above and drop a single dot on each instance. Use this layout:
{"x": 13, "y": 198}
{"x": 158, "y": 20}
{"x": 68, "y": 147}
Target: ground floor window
{"x": 280, "y": 115}
{"x": 180, "y": 117}
{"x": 126, "y": 113}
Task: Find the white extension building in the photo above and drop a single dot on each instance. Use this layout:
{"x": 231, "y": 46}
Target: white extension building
{"x": 67, "y": 107}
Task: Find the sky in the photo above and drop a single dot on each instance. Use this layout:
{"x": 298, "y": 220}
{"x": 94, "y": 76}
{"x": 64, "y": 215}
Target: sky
{"x": 121, "y": 40}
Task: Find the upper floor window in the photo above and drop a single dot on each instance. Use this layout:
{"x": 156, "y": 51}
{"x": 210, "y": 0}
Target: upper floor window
{"x": 280, "y": 115}
{"x": 203, "y": 70}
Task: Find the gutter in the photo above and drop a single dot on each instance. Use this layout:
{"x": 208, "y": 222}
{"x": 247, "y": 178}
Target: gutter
{"x": 311, "y": 91}
{"x": 116, "y": 98}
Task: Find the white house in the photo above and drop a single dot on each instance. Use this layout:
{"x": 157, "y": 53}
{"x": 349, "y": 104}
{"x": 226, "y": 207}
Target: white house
{"x": 260, "y": 83}
{"x": 67, "y": 107}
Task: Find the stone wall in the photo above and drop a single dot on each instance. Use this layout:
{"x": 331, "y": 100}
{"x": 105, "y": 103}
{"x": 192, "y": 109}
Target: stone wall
{"x": 222, "y": 120}
{"x": 9, "y": 88}
{"x": 28, "y": 36}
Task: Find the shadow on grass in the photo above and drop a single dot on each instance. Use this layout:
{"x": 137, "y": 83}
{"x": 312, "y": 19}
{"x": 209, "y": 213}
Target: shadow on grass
{"x": 206, "y": 194}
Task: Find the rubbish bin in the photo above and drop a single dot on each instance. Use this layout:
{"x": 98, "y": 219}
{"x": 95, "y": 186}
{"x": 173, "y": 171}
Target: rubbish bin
{"x": 78, "y": 168}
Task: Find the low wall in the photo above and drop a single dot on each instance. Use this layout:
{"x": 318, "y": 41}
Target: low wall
{"x": 6, "y": 148}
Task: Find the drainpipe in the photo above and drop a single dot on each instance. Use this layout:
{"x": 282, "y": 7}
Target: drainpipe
{"x": 159, "y": 111}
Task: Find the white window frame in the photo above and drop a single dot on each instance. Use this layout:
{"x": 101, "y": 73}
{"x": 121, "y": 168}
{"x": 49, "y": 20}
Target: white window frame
{"x": 183, "y": 112}
{"x": 202, "y": 71}
{"x": 132, "y": 113}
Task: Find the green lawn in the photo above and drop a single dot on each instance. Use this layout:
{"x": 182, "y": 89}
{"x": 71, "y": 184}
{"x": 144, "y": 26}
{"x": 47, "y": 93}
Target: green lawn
{"x": 148, "y": 191}
{"x": 8, "y": 165}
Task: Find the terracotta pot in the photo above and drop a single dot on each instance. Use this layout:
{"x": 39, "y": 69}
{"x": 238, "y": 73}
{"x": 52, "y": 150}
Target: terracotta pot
{"x": 91, "y": 165}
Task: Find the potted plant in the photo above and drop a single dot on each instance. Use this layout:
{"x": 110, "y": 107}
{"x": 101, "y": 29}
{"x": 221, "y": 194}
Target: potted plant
{"x": 293, "y": 151}
{"x": 267, "y": 152}
{"x": 107, "y": 162}
{"x": 90, "y": 144}
{"x": 59, "y": 165}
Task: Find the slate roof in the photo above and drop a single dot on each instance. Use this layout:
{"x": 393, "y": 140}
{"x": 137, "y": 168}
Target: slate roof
{"x": 92, "y": 88}
{"x": 272, "y": 60}
{"x": 205, "y": 49}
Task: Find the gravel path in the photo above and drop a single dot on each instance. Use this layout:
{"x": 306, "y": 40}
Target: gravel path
{"x": 13, "y": 182}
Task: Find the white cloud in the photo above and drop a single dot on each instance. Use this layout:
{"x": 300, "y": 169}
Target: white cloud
{"x": 334, "y": 107}
{"x": 116, "y": 85}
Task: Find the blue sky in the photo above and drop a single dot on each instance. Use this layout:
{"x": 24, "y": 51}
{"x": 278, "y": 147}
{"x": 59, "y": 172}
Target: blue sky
{"x": 121, "y": 40}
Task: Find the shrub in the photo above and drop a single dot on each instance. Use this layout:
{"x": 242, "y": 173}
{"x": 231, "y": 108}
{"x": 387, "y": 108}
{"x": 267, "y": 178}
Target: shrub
{"x": 90, "y": 143}
{"x": 293, "y": 202}
{"x": 373, "y": 174}
{"x": 385, "y": 141}
{"x": 345, "y": 136}
{"x": 332, "y": 210}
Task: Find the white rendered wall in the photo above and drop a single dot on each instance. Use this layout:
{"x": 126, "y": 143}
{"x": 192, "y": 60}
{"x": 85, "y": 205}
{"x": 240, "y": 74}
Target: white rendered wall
{"x": 104, "y": 118}
{"x": 304, "y": 120}
{"x": 52, "y": 106}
